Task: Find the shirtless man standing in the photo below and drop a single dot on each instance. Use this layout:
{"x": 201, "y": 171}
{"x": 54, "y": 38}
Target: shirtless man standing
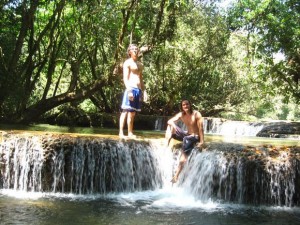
{"x": 194, "y": 123}
{"x": 133, "y": 80}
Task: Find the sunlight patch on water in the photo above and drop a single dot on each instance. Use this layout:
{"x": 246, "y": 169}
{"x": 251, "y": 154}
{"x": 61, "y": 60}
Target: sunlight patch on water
{"x": 39, "y": 195}
{"x": 166, "y": 199}
{"x": 21, "y": 194}
{"x": 182, "y": 201}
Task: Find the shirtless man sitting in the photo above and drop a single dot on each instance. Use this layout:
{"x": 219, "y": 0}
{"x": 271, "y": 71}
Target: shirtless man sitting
{"x": 194, "y": 123}
{"x": 133, "y": 80}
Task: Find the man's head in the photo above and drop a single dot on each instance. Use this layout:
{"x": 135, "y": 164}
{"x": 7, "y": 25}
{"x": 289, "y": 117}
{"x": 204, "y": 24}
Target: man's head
{"x": 132, "y": 48}
{"x": 186, "y": 106}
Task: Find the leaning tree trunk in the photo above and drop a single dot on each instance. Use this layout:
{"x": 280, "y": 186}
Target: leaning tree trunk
{"x": 35, "y": 111}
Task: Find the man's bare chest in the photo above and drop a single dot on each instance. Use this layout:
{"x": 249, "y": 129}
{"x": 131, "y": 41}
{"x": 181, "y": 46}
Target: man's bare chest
{"x": 189, "y": 120}
{"x": 135, "y": 67}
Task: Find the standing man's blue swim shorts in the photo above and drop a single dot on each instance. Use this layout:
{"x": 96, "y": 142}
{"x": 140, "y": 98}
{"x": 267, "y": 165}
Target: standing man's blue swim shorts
{"x": 134, "y": 105}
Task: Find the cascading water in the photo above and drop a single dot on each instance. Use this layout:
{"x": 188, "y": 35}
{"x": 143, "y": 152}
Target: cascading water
{"x": 220, "y": 126}
{"x": 232, "y": 176}
{"x": 75, "y": 165}
{"x": 19, "y": 171}
{"x": 104, "y": 181}
{"x": 232, "y": 128}
{"x": 88, "y": 166}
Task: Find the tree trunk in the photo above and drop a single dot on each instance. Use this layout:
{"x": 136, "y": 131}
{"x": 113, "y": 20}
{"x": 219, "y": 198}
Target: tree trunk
{"x": 35, "y": 111}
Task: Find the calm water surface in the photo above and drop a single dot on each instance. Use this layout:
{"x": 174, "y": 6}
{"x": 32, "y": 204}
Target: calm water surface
{"x": 170, "y": 206}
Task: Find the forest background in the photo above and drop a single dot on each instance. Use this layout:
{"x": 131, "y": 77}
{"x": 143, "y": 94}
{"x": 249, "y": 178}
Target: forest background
{"x": 61, "y": 61}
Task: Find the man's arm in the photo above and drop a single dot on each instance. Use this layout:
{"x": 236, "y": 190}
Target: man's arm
{"x": 175, "y": 118}
{"x": 141, "y": 68}
{"x": 126, "y": 73}
{"x": 171, "y": 127}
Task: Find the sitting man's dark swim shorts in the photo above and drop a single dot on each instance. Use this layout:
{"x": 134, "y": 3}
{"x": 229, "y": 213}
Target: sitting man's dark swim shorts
{"x": 188, "y": 140}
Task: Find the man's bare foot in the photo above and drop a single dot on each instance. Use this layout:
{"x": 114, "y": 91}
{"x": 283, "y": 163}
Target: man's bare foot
{"x": 131, "y": 136}
{"x": 122, "y": 136}
{"x": 174, "y": 179}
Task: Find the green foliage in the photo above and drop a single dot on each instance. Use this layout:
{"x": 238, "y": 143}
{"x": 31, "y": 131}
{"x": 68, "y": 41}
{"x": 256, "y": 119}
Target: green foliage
{"x": 269, "y": 108}
{"x": 273, "y": 27}
{"x": 196, "y": 65}
{"x": 62, "y": 55}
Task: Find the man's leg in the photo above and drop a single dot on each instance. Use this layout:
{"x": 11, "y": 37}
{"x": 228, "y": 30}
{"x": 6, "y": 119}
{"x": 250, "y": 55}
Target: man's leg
{"x": 130, "y": 120}
{"x": 122, "y": 123}
{"x": 182, "y": 161}
{"x": 168, "y": 135}
{"x": 187, "y": 146}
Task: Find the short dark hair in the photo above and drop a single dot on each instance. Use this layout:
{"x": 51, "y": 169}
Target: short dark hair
{"x": 191, "y": 106}
{"x": 129, "y": 47}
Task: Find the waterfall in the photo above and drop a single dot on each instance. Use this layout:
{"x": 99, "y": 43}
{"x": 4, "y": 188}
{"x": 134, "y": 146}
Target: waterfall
{"x": 233, "y": 174}
{"x": 160, "y": 123}
{"x": 220, "y": 126}
{"x": 77, "y": 165}
{"x": 227, "y": 172}
{"x": 19, "y": 171}
{"x": 232, "y": 128}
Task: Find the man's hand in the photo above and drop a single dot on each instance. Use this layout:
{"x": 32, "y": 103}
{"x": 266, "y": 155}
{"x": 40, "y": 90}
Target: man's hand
{"x": 130, "y": 96}
{"x": 200, "y": 144}
{"x": 176, "y": 128}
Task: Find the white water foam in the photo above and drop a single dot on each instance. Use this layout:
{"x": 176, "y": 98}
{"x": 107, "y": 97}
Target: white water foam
{"x": 171, "y": 198}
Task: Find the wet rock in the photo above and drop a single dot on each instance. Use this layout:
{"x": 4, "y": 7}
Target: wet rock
{"x": 281, "y": 130}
